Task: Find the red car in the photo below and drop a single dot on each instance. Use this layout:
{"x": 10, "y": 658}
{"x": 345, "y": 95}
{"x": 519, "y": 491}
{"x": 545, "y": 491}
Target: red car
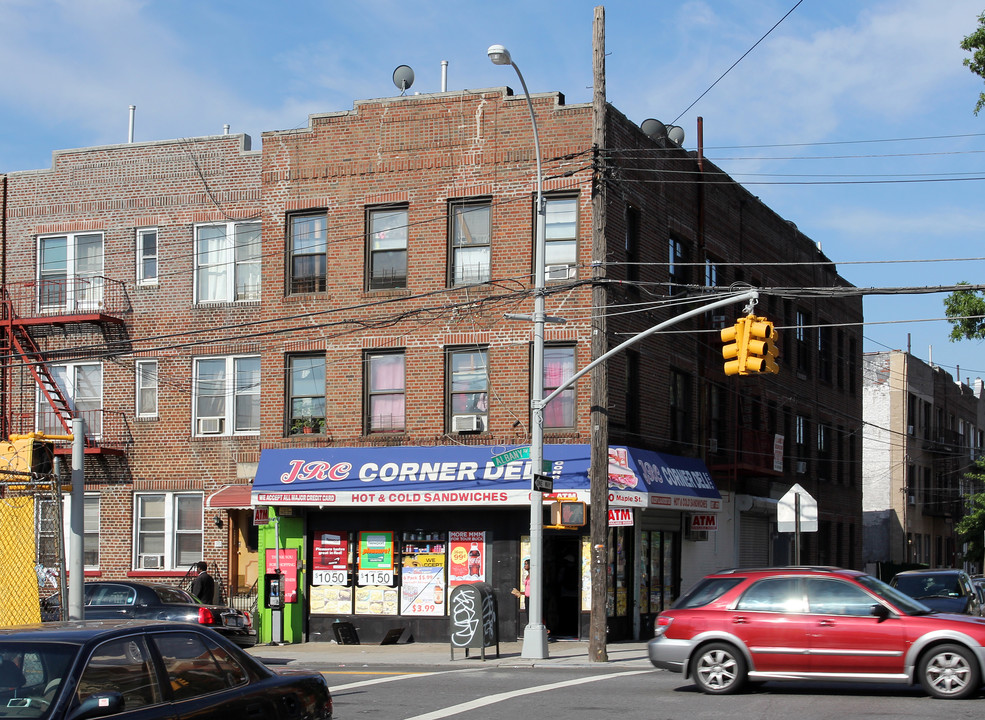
{"x": 815, "y": 624}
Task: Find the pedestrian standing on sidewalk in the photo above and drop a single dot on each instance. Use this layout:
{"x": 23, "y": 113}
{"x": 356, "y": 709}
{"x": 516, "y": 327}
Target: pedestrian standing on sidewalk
{"x": 203, "y": 586}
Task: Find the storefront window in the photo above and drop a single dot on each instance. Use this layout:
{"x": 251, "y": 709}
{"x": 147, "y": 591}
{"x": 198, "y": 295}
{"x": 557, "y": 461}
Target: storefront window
{"x": 422, "y": 574}
{"x": 644, "y": 572}
{"x": 331, "y": 574}
{"x": 376, "y": 593}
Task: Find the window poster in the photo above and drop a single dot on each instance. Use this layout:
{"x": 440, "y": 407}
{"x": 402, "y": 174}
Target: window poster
{"x": 330, "y": 559}
{"x": 468, "y": 557}
{"x": 422, "y": 590}
{"x": 375, "y": 594}
{"x": 285, "y": 560}
{"x": 331, "y": 593}
{"x": 376, "y": 600}
{"x": 422, "y": 574}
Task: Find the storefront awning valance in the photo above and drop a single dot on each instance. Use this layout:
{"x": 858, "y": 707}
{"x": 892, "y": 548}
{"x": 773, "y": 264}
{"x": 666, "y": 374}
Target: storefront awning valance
{"x": 473, "y": 476}
{"x": 230, "y": 497}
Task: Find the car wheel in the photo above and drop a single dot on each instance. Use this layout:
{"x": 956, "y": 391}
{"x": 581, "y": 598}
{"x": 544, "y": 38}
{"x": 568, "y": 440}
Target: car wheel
{"x": 949, "y": 671}
{"x": 719, "y": 669}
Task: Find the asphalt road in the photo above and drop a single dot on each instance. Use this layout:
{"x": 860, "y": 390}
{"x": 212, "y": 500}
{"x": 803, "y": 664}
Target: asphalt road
{"x": 580, "y": 693}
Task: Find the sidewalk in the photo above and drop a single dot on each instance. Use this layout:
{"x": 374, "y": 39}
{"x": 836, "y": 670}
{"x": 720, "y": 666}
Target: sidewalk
{"x": 561, "y": 653}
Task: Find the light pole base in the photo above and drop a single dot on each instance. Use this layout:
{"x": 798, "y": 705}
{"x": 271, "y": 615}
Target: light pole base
{"x": 534, "y": 642}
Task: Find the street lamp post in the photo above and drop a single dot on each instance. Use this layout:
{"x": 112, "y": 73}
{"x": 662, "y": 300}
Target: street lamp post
{"x": 535, "y": 634}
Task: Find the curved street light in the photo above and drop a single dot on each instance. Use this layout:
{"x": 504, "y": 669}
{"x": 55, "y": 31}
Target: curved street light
{"x": 535, "y": 634}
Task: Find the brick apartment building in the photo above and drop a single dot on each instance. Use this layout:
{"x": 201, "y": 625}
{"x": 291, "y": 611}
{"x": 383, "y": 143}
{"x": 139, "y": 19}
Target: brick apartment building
{"x": 924, "y": 432}
{"x": 314, "y": 334}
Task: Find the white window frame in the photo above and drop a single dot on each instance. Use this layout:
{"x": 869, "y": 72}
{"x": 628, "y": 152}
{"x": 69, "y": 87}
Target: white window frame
{"x": 166, "y": 559}
{"x": 560, "y": 248}
{"x": 90, "y": 523}
{"x": 75, "y": 294}
{"x": 66, "y": 375}
{"x": 146, "y": 382}
{"x": 226, "y": 264}
{"x": 465, "y": 217}
{"x": 143, "y": 256}
{"x": 230, "y": 392}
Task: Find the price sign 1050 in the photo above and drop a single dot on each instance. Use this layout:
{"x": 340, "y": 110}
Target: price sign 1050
{"x": 329, "y": 577}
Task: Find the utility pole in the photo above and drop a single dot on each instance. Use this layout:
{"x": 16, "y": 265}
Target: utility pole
{"x": 599, "y": 470}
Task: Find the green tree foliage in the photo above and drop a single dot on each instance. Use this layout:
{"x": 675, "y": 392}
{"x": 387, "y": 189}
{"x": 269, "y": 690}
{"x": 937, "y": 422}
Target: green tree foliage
{"x": 975, "y": 44}
{"x": 965, "y": 310}
{"x": 971, "y": 528}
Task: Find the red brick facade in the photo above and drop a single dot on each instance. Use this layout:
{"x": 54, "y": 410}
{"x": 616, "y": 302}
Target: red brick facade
{"x": 420, "y": 153}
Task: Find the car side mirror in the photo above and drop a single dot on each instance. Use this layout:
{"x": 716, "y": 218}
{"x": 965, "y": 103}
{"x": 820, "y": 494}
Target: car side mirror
{"x": 99, "y": 705}
{"x": 880, "y": 611}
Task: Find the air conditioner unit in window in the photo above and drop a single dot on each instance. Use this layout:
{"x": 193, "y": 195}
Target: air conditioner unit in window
{"x": 560, "y": 272}
{"x": 150, "y": 562}
{"x": 210, "y": 426}
{"x": 466, "y": 423}
{"x": 801, "y": 467}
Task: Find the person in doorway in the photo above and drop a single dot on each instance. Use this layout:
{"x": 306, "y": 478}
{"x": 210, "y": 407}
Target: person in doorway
{"x": 525, "y": 575}
{"x": 203, "y": 586}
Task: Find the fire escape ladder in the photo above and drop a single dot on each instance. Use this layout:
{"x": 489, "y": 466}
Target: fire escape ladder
{"x": 25, "y": 346}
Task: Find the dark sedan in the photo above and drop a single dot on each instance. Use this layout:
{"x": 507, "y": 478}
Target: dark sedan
{"x": 124, "y": 599}
{"x": 945, "y": 590}
{"x": 149, "y": 670}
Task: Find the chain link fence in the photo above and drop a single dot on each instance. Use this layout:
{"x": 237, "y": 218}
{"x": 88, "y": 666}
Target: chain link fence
{"x": 32, "y": 544}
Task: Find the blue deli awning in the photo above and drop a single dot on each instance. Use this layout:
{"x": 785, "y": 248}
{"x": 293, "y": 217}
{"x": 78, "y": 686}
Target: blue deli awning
{"x": 455, "y": 475}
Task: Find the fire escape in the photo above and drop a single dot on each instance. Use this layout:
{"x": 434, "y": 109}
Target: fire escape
{"x": 54, "y": 321}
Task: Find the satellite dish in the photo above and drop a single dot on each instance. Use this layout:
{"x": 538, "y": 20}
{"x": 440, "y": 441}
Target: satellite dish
{"x": 403, "y": 78}
{"x": 654, "y": 129}
{"x": 675, "y": 134}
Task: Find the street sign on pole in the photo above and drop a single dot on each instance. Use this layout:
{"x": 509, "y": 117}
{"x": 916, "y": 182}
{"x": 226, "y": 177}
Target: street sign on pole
{"x": 543, "y": 483}
{"x": 787, "y": 516}
{"x": 520, "y": 453}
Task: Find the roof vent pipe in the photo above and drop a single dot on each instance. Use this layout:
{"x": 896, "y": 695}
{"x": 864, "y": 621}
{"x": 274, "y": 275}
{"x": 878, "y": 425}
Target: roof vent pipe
{"x": 225, "y": 129}
{"x": 133, "y": 110}
{"x": 444, "y": 76}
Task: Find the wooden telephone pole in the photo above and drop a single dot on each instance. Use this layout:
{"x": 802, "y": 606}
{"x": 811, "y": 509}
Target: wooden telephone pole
{"x": 599, "y": 470}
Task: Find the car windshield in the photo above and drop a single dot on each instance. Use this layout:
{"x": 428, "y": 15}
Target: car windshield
{"x": 901, "y": 600}
{"x": 31, "y": 675}
{"x": 928, "y": 585}
{"x": 706, "y": 591}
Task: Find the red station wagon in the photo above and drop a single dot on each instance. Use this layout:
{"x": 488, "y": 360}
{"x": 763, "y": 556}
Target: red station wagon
{"x": 815, "y": 624}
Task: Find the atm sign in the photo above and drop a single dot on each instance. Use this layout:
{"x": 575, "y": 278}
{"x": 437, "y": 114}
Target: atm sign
{"x": 704, "y": 522}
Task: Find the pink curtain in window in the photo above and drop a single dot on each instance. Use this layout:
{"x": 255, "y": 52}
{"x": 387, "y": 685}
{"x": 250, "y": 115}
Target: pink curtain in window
{"x": 558, "y": 367}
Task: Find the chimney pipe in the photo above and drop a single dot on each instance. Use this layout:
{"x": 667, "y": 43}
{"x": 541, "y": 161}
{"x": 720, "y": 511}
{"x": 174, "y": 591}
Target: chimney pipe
{"x": 133, "y": 110}
{"x": 444, "y": 76}
{"x": 225, "y": 129}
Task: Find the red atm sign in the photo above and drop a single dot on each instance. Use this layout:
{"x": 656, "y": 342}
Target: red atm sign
{"x": 704, "y": 522}
{"x": 620, "y": 516}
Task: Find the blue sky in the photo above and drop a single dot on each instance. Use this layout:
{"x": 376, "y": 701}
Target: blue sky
{"x": 840, "y": 95}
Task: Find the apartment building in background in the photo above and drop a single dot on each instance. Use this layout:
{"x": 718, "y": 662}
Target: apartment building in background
{"x": 924, "y": 431}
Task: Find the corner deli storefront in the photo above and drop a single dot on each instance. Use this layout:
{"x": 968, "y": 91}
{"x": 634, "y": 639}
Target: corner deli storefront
{"x": 378, "y": 537}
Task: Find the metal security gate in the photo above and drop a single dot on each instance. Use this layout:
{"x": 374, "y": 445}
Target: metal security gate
{"x": 754, "y": 540}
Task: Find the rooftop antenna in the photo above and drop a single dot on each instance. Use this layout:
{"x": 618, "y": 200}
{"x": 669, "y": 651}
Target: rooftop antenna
{"x": 403, "y": 78}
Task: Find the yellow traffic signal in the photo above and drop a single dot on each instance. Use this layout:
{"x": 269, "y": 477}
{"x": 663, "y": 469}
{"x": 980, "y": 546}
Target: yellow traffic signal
{"x": 761, "y": 349}
{"x": 736, "y": 339}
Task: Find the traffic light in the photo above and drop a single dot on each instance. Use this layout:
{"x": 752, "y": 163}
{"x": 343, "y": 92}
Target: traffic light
{"x": 567, "y": 513}
{"x": 734, "y": 351}
{"x": 25, "y": 454}
{"x": 761, "y": 349}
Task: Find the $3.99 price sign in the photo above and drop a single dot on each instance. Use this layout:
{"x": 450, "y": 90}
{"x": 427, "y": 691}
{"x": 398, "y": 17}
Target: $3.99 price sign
{"x": 375, "y": 577}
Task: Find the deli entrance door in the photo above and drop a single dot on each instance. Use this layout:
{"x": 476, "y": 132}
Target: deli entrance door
{"x": 562, "y": 586}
